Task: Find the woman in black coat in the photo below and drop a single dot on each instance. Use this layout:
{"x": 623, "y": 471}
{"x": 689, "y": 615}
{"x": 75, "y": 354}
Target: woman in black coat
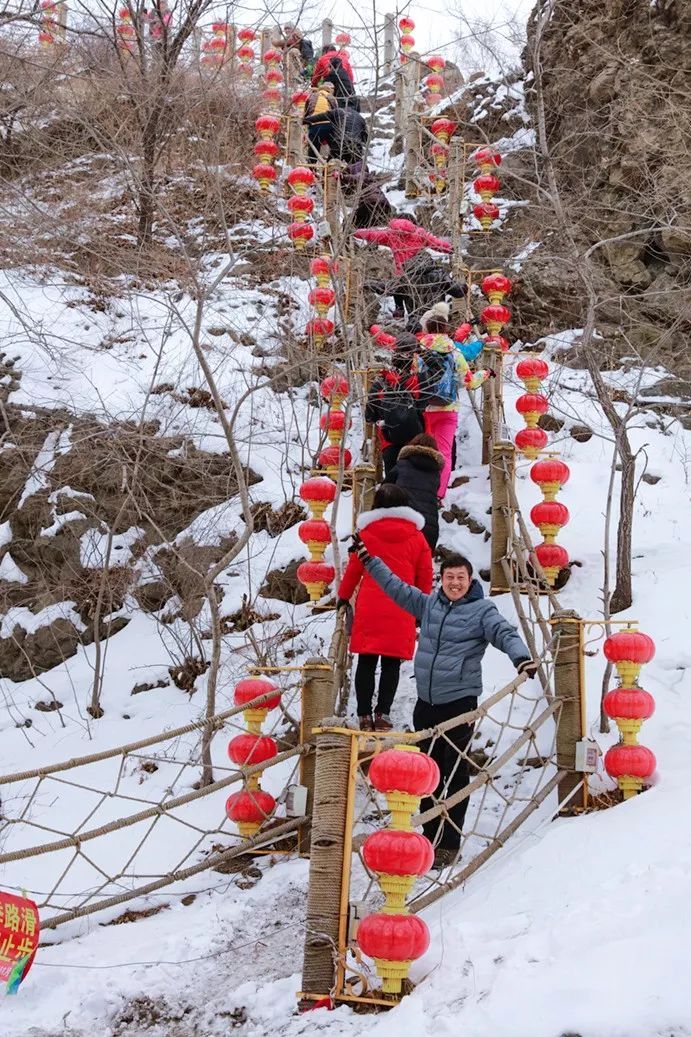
{"x": 417, "y": 471}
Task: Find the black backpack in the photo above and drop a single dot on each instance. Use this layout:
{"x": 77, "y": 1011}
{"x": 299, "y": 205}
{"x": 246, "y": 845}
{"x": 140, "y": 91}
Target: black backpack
{"x": 306, "y": 50}
{"x": 396, "y": 410}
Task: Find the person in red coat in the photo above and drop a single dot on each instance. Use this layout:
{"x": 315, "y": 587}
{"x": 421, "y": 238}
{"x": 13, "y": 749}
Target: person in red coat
{"x": 404, "y": 238}
{"x": 323, "y": 65}
{"x": 382, "y": 630}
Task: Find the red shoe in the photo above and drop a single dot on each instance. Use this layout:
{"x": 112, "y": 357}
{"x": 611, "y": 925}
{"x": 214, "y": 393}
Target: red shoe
{"x": 382, "y": 722}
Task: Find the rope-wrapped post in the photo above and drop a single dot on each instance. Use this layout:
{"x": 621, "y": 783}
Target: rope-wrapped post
{"x": 364, "y": 485}
{"x": 491, "y": 399}
{"x": 330, "y": 834}
{"x": 501, "y": 474}
{"x": 569, "y": 688}
{"x": 318, "y": 703}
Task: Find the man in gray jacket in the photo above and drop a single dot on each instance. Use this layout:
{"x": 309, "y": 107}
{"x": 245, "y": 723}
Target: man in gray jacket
{"x": 457, "y": 623}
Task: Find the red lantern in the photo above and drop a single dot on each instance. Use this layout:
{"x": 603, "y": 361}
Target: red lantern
{"x": 318, "y": 492}
{"x": 272, "y": 96}
{"x": 320, "y": 267}
{"x": 393, "y": 938}
{"x": 333, "y": 421}
{"x": 322, "y": 299}
{"x": 300, "y": 179}
{"x": 315, "y": 577}
{"x": 494, "y": 317}
{"x": 497, "y": 342}
{"x": 300, "y": 234}
{"x": 495, "y": 287}
{"x": 245, "y": 53}
{"x": 487, "y": 159}
{"x": 300, "y": 206}
{"x": 264, "y": 174}
{"x": 247, "y": 35}
{"x": 266, "y": 151}
{"x": 630, "y": 765}
{"x": 382, "y": 339}
{"x": 531, "y": 406}
{"x": 440, "y": 152}
{"x": 407, "y": 43}
{"x": 532, "y": 371}
{"x": 267, "y": 126}
{"x": 334, "y": 388}
{"x": 272, "y": 57}
{"x": 398, "y": 853}
{"x": 629, "y": 704}
{"x": 434, "y": 82}
{"x": 400, "y": 770}
{"x": 628, "y": 650}
{"x": 552, "y": 558}
{"x": 273, "y": 76}
{"x": 319, "y": 329}
{"x": 443, "y": 129}
{"x": 249, "y": 809}
{"x": 251, "y": 688}
{"x": 342, "y": 39}
{"x": 486, "y": 213}
{"x": 244, "y": 750}
{"x": 550, "y": 475}
{"x": 314, "y": 531}
{"x": 548, "y": 516}
{"x": 330, "y": 458}
{"x": 406, "y": 24}
{"x": 436, "y": 63}
{"x": 300, "y": 98}
{"x": 530, "y": 441}
{"x": 486, "y": 186}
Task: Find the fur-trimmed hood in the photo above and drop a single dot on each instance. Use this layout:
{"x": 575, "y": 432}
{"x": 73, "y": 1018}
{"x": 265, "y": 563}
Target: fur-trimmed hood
{"x": 413, "y": 453}
{"x": 402, "y": 514}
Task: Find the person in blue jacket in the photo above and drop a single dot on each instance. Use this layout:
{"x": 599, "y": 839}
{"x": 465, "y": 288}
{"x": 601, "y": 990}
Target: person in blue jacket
{"x": 457, "y": 623}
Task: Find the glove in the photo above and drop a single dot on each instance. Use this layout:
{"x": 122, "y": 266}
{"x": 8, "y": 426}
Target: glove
{"x": 360, "y": 549}
{"x": 341, "y": 603}
{"x": 527, "y": 666}
{"x": 492, "y": 374}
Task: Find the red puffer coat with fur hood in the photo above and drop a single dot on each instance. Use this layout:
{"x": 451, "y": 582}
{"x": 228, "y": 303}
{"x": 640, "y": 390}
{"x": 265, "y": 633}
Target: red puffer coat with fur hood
{"x": 380, "y": 627}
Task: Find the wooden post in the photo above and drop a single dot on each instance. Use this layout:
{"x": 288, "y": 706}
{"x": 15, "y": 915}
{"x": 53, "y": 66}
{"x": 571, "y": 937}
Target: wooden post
{"x": 318, "y": 704}
{"x": 327, "y": 31}
{"x": 501, "y": 475}
{"x": 295, "y": 141}
{"x": 492, "y": 359}
{"x": 231, "y": 47}
{"x": 389, "y": 44}
{"x": 569, "y": 687}
{"x": 327, "y": 859}
{"x": 364, "y": 485}
{"x": 265, "y": 43}
{"x": 412, "y": 134}
{"x": 331, "y": 200}
{"x": 455, "y": 198}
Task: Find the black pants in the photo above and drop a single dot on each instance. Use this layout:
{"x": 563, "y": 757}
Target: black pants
{"x": 389, "y": 456}
{"x": 316, "y": 136}
{"x": 403, "y": 302}
{"x": 453, "y": 767}
{"x": 431, "y": 535}
{"x": 364, "y": 683}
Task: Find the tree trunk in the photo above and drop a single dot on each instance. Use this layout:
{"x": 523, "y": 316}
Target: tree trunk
{"x": 147, "y": 200}
{"x": 622, "y": 595}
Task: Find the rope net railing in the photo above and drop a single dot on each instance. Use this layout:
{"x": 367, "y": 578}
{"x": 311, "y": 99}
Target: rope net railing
{"x": 95, "y": 831}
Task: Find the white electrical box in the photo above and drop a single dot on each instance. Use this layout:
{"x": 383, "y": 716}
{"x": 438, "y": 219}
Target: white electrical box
{"x": 296, "y": 800}
{"x": 587, "y": 753}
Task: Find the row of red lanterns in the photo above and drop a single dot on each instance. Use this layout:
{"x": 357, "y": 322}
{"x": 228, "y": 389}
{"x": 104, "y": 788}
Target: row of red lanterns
{"x": 301, "y": 180}
{"x": 434, "y": 80}
{"x": 319, "y": 491}
{"x": 495, "y": 315}
{"x": 442, "y": 130}
{"x": 628, "y": 762}
{"x": 50, "y": 27}
{"x": 268, "y": 124}
{"x": 252, "y": 806}
{"x": 549, "y": 516}
{"x": 322, "y": 298}
{"x": 245, "y": 53}
{"x": 125, "y": 31}
{"x": 215, "y": 51}
{"x": 397, "y": 856}
{"x": 407, "y": 41}
{"x": 486, "y": 184}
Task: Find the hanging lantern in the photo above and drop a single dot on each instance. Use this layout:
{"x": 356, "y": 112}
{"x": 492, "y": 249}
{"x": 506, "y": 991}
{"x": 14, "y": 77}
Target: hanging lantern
{"x": 406, "y": 24}
{"x": 267, "y": 126}
{"x": 407, "y": 44}
{"x": 300, "y": 207}
{"x": 299, "y": 99}
{"x": 487, "y": 159}
{"x": 301, "y": 179}
{"x": 397, "y": 858}
{"x": 126, "y": 32}
{"x": 629, "y": 650}
{"x": 330, "y": 459}
{"x": 272, "y": 58}
{"x": 404, "y": 775}
{"x": 246, "y": 35}
{"x": 264, "y": 174}
{"x": 342, "y": 39}
{"x": 50, "y": 26}
{"x": 316, "y": 535}
{"x": 443, "y": 130}
{"x": 496, "y": 287}
{"x": 440, "y": 154}
{"x": 630, "y": 765}
{"x": 246, "y": 53}
{"x": 628, "y": 708}
{"x": 495, "y": 317}
{"x": 333, "y": 424}
{"x": 249, "y": 809}
{"x": 486, "y": 213}
{"x": 266, "y": 151}
{"x": 273, "y": 76}
{"x": 381, "y": 338}
{"x": 272, "y": 97}
{"x": 319, "y": 329}
{"x": 486, "y": 186}
{"x": 549, "y": 516}
{"x": 334, "y": 389}
{"x": 317, "y": 493}
{"x": 435, "y": 85}
{"x": 300, "y": 234}
{"x": 322, "y": 299}
{"x": 550, "y": 475}
{"x": 246, "y": 749}
{"x": 531, "y": 406}
{"x": 393, "y": 941}
{"x": 530, "y": 441}
{"x": 252, "y": 688}
{"x": 552, "y": 558}
{"x": 532, "y": 371}
{"x": 436, "y": 62}
{"x": 315, "y": 578}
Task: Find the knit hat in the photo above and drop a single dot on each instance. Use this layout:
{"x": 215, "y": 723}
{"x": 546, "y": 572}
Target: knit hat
{"x": 440, "y": 311}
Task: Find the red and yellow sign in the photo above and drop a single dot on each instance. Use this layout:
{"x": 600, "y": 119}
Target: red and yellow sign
{"x": 19, "y": 931}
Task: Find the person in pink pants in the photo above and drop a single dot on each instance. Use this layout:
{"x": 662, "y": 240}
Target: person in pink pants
{"x": 441, "y": 412}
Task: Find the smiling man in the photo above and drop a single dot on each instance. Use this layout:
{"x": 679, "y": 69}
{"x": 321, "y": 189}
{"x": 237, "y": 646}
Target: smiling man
{"x": 457, "y": 623}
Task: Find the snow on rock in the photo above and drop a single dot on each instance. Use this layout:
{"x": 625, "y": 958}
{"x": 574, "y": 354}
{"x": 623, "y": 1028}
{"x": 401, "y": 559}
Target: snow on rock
{"x": 10, "y": 571}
